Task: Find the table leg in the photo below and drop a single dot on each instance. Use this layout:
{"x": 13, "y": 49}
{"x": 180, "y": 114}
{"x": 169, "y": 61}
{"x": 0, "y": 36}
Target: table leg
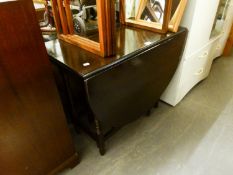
{"x": 156, "y": 104}
{"x": 100, "y": 138}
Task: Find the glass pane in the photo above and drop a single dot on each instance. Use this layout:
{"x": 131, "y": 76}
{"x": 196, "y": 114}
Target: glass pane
{"x": 117, "y": 11}
{"x": 85, "y": 20}
{"x": 45, "y": 18}
{"x": 130, "y": 8}
{"x": 147, "y": 10}
{"x": 220, "y": 17}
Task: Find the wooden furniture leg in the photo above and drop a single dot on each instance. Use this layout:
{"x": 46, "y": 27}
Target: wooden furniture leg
{"x": 148, "y": 113}
{"x": 156, "y": 104}
{"x": 100, "y": 138}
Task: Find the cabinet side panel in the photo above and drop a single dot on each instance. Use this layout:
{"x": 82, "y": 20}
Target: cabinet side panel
{"x": 34, "y": 137}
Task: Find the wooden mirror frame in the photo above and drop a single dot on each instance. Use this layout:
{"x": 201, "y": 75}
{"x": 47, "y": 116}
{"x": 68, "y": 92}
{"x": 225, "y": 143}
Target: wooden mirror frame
{"x": 106, "y": 25}
{"x": 152, "y": 26}
{"x": 169, "y": 23}
{"x": 177, "y": 16}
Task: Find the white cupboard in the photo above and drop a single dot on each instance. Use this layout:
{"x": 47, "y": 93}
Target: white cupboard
{"x": 209, "y": 23}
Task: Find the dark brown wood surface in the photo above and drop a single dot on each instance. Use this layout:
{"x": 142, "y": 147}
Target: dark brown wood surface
{"x": 34, "y": 137}
{"x": 108, "y": 93}
{"x": 129, "y": 89}
{"x": 129, "y": 41}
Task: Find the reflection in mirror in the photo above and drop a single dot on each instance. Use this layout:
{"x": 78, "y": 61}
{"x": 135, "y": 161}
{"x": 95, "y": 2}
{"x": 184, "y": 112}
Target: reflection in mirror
{"x": 44, "y": 15}
{"x": 147, "y": 10}
{"x": 45, "y": 18}
{"x": 220, "y": 17}
{"x": 153, "y": 11}
{"x": 130, "y": 7}
{"x": 117, "y": 11}
{"x": 88, "y": 24}
{"x": 84, "y": 14}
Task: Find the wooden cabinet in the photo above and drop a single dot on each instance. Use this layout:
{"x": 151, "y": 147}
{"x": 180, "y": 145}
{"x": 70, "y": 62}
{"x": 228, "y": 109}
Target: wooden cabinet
{"x": 34, "y": 137}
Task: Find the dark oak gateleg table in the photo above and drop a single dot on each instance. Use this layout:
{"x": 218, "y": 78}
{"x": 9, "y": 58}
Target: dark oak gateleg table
{"x": 105, "y": 93}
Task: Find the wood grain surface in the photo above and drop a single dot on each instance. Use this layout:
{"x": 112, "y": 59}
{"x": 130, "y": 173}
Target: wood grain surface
{"x": 34, "y": 137}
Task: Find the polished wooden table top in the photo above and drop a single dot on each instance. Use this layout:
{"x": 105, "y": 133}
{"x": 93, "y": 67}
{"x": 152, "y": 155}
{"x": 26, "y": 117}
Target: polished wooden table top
{"x": 129, "y": 42}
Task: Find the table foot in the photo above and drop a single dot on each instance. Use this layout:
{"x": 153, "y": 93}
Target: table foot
{"x": 100, "y": 138}
{"x": 156, "y": 104}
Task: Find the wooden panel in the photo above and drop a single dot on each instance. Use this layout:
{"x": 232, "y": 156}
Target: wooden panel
{"x": 136, "y": 89}
{"x": 167, "y": 16}
{"x": 69, "y": 16}
{"x": 82, "y": 42}
{"x": 229, "y": 44}
{"x": 106, "y": 23}
{"x": 56, "y": 16}
{"x": 63, "y": 18}
{"x": 34, "y": 137}
{"x": 122, "y": 11}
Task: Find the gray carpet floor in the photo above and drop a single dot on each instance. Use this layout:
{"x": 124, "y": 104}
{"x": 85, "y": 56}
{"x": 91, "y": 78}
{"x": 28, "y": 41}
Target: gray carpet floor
{"x": 193, "y": 138}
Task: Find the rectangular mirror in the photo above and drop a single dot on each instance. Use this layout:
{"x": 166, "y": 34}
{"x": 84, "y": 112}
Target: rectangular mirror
{"x": 220, "y": 18}
{"x": 85, "y": 18}
{"x": 149, "y": 14}
{"x": 154, "y": 15}
{"x": 89, "y": 24}
{"x": 151, "y": 11}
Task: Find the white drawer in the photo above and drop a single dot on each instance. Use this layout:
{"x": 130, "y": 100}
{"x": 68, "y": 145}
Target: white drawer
{"x": 195, "y": 69}
{"x": 216, "y": 49}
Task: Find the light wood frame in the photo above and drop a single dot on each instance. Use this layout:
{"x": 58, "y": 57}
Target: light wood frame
{"x": 106, "y": 25}
{"x": 169, "y": 23}
{"x": 176, "y": 18}
{"x": 137, "y": 22}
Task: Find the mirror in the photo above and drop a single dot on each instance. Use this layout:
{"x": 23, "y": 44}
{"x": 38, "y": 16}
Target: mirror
{"x": 150, "y": 13}
{"x": 220, "y": 18}
{"x": 89, "y": 24}
{"x": 154, "y": 15}
{"x": 84, "y": 17}
{"x": 43, "y": 9}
